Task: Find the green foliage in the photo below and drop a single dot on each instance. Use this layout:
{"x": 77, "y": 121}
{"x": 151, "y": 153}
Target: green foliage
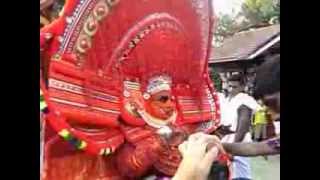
{"x": 261, "y": 11}
{"x": 254, "y": 13}
{"x": 216, "y": 79}
{"x": 225, "y": 27}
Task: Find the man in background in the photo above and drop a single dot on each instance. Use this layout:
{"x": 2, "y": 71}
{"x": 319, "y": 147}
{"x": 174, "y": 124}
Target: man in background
{"x": 236, "y": 112}
{"x": 267, "y": 88}
{"x": 197, "y": 161}
{"x": 260, "y": 123}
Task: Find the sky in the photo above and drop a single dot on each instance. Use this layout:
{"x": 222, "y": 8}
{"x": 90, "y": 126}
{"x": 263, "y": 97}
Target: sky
{"x": 226, "y": 6}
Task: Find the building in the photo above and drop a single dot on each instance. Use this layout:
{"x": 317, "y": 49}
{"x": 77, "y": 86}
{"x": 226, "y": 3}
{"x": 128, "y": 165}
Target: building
{"x": 244, "y": 51}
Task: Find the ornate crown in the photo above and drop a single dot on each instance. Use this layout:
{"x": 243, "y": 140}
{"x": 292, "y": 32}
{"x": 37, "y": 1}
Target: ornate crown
{"x": 159, "y": 83}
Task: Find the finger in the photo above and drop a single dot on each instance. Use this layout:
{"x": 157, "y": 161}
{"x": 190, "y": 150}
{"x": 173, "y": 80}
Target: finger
{"x": 202, "y": 137}
{"x": 196, "y": 148}
{"x": 195, "y": 136}
{"x": 211, "y": 138}
{"x": 217, "y": 145}
{"x": 215, "y": 141}
{"x": 210, "y": 156}
{"x": 201, "y": 147}
{"x": 206, "y": 138}
{"x": 183, "y": 147}
{"x": 200, "y": 143}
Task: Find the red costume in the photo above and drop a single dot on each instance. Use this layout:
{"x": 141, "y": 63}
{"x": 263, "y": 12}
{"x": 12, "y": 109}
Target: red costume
{"x": 126, "y": 83}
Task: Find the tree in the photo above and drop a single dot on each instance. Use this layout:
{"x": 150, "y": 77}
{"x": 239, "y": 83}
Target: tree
{"x": 215, "y": 77}
{"x": 225, "y": 27}
{"x": 261, "y": 11}
{"x": 253, "y": 14}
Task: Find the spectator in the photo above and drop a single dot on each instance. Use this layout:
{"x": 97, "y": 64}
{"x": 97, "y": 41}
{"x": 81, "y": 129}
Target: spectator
{"x": 236, "y": 112}
{"x": 260, "y": 123}
{"x": 268, "y": 89}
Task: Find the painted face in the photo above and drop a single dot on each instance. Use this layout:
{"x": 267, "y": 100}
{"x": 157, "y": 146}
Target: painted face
{"x": 161, "y": 105}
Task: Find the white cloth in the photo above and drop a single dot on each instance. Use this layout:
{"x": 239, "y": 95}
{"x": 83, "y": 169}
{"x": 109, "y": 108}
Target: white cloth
{"x": 229, "y": 116}
{"x": 277, "y": 127}
{"x": 229, "y": 112}
{"x": 241, "y": 167}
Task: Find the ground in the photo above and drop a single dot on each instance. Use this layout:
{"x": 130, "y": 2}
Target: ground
{"x": 266, "y": 169}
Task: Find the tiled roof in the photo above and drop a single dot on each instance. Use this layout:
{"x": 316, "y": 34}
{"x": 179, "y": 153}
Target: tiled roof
{"x": 243, "y": 44}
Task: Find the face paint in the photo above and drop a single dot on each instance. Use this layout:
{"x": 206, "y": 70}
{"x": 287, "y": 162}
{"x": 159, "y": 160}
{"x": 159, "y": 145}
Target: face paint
{"x": 161, "y": 105}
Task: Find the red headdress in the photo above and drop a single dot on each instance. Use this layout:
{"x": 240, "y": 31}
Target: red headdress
{"x": 100, "y": 48}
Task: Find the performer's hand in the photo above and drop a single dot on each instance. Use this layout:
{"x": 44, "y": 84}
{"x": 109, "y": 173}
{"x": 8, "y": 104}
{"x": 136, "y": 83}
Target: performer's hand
{"x": 134, "y": 160}
{"x": 136, "y": 100}
{"x": 197, "y": 157}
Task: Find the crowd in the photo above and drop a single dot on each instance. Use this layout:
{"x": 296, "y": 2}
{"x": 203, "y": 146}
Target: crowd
{"x": 197, "y": 158}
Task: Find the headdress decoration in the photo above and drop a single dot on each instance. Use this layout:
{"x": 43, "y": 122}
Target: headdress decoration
{"x": 157, "y": 84}
{"x": 102, "y": 50}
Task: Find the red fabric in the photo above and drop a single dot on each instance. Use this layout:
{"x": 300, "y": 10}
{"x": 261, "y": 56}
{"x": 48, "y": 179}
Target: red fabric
{"x": 143, "y": 150}
{"x": 134, "y": 160}
{"x": 146, "y": 150}
{"x": 127, "y": 117}
{"x": 42, "y": 40}
{"x": 169, "y": 161}
{"x": 92, "y": 79}
{"x": 80, "y": 166}
{"x": 63, "y": 162}
{"x": 176, "y": 45}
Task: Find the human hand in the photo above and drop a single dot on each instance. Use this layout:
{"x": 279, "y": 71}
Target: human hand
{"x": 136, "y": 100}
{"x": 225, "y": 130}
{"x": 199, "y": 152}
{"x": 136, "y": 159}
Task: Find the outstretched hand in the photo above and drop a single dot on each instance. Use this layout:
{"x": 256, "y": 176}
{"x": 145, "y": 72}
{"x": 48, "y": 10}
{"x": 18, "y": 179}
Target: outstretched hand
{"x": 199, "y": 152}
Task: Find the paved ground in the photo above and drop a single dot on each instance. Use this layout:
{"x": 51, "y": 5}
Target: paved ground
{"x": 266, "y": 169}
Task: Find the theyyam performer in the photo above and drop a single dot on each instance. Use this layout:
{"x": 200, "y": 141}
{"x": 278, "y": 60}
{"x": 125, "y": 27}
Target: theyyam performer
{"x": 124, "y": 83}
